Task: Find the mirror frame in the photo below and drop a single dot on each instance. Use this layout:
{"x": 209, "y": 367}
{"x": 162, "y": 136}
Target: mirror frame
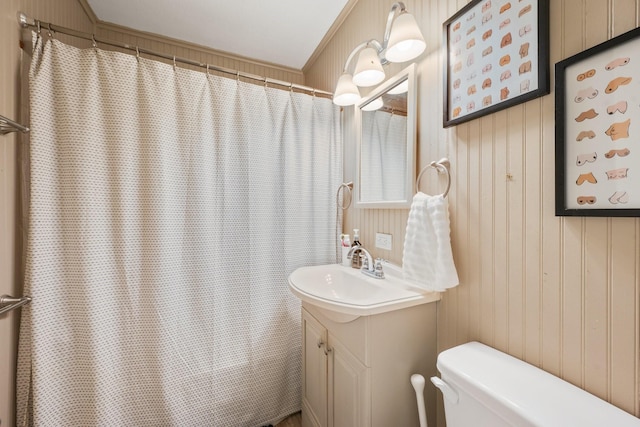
{"x": 408, "y": 74}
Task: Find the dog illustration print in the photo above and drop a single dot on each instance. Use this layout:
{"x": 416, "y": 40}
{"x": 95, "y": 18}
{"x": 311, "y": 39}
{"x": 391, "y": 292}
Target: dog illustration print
{"x": 504, "y": 93}
{"x": 524, "y": 50}
{"x": 618, "y": 130}
{"x": 486, "y": 101}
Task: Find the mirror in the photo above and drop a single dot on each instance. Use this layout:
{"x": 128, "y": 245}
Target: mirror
{"x": 386, "y": 128}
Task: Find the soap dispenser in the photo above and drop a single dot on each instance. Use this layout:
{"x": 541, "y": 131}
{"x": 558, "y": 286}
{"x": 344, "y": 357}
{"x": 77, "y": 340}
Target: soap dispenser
{"x": 356, "y": 259}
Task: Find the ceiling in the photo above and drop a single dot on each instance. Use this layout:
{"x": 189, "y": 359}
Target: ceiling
{"x": 283, "y": 32}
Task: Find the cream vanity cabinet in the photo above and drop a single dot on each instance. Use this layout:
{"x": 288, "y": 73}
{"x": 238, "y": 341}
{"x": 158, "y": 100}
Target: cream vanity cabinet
{"x": 356, "y": 370}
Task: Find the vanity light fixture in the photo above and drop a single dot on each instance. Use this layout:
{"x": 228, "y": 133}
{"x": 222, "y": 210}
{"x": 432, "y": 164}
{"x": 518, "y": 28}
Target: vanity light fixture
{"x": 402, "y": 42}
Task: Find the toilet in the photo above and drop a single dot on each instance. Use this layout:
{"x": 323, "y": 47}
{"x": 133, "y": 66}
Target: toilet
{"x": 483, "y": 387}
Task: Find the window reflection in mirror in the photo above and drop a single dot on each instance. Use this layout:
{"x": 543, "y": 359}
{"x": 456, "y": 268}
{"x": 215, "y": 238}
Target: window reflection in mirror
{"x": 386, "y": 123}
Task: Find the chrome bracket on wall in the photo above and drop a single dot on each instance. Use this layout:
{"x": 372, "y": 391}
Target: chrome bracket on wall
{"x": 8, "y": 126}
{"x": 8, "y": 303}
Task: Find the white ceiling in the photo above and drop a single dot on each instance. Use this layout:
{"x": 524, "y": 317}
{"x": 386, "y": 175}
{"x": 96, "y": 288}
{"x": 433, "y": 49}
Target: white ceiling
{"x": 284, "y": 32}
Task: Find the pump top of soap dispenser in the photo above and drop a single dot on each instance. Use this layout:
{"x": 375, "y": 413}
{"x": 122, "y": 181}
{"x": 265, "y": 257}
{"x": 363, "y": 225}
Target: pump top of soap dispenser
{"x": 356, "y": 237}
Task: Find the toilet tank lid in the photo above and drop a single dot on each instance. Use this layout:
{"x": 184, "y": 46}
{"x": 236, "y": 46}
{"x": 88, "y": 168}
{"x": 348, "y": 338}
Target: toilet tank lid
{"x": 519, "y": 391}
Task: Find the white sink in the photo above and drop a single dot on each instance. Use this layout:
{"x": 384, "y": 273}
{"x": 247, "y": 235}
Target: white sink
{"x": 349, "y": 292}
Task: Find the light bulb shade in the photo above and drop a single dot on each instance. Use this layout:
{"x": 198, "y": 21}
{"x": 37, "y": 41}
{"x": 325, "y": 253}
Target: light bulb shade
{"x": 376, "y": 104}
{"x": 346, "y": 92}
{"x": 368, "y": 70}
{"x": 405, "y": 41}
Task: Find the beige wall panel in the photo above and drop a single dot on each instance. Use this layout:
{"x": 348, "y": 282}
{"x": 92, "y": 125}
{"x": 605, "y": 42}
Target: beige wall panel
{"x": 623, "y": 299}
{"x": 531, "y": 257}
{"x": 551, "y": 231}
{"x": 625, "y": 16}
{"x": 193, "y": 52}
{"x": 561, "y": 293}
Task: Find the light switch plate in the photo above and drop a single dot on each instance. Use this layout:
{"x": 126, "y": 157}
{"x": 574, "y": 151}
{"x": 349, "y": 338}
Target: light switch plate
{"x": 384, "y": 241}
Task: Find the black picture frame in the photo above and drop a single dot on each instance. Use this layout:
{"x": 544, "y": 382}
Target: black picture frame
{"x": 597, "y": 128}
{"x": 497, "y": 56}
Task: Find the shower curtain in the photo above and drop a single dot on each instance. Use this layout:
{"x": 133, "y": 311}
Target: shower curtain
{"x": 384, "y": 155}
{"x": 167, "y": 208}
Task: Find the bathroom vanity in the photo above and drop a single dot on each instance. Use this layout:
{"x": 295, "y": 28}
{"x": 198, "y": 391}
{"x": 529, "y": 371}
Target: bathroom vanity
{"x": 363, "y": 338}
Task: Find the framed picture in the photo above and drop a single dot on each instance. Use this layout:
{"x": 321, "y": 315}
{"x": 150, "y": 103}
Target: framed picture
{"x": 497, "y": 55}
{"x": 597, "y": 130}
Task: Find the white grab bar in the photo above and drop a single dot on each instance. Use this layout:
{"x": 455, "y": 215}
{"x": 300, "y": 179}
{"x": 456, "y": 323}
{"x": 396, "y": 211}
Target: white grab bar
{"x": 417, "y": 381}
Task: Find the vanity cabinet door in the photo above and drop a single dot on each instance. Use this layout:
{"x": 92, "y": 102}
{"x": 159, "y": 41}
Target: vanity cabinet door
{"x": 349, "y": 388}
{"x": 315, "y": 372}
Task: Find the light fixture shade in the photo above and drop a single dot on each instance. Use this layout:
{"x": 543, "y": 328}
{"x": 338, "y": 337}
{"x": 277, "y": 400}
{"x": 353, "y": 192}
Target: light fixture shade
{"x": 405, "y": 41}
{"x": 376, "y": 104}
{"x": 346, "y": 92}
{"x": 368, "y": 70}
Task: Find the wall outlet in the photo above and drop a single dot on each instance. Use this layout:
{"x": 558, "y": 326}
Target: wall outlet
{"x": 384, "y": 241}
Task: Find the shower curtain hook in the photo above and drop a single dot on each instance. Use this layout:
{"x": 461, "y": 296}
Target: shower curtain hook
{"x": 174, "y": 63}
{"x": 314, "y": 92}
{"x": 50, "y": 32}
{"x": 291, "y": 87}
{"x": 238, "y": 76}
{"x": 207, "y": 70}
{"x": 93, "y": 41}
{"x": 38, "y": 28}
{"x": 265, "y": 82}
{"x": 137, "y": 54}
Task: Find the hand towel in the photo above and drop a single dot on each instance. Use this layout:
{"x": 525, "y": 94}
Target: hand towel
{"x": 427, "y": 260}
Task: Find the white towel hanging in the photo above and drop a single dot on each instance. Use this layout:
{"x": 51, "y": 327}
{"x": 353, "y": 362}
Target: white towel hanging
{"x": 427, "y": 259}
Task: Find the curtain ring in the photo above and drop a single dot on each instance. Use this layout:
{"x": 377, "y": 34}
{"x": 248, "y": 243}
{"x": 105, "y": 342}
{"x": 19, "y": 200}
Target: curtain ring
{"x": 93, "y": 41}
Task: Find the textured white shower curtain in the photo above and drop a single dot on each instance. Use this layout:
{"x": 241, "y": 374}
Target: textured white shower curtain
{"x": 384, "y": 155}
{"x": 167, "y": 209}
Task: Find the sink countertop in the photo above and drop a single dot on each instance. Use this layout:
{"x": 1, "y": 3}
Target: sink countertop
{"x": 347, "y": 291}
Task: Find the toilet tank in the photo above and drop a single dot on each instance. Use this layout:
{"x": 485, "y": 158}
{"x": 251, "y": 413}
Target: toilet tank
{"x": 484, "y": 387}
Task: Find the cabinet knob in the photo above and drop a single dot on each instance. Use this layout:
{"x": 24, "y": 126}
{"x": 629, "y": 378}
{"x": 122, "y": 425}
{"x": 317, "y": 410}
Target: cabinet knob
{"x": 320, "y": 343}
{"x": 327, "y": 350}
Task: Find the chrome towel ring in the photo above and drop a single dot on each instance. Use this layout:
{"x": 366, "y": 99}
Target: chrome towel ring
{"x": 442, "y": 166}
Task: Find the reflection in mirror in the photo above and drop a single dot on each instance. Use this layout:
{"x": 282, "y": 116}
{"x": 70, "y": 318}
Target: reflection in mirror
{"x": 386, "y": 166}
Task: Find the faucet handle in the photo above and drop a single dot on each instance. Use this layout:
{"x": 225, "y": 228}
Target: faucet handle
{"x": 378, "y": 268}
{"x": 365, "y": 263}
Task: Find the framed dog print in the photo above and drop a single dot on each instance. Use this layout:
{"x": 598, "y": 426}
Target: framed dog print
{"x": 497, "y": 55}
{"x": 597, "y": 130}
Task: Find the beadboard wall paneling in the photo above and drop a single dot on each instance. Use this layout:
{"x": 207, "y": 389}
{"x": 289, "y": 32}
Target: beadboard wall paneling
{"x": 560, "y": 293}
{"x": 195, "y": 52}
{"x": 63, "y": 12}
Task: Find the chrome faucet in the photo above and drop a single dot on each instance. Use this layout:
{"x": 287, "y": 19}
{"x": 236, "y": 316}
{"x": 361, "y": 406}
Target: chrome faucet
{"x": 368, "y": 267}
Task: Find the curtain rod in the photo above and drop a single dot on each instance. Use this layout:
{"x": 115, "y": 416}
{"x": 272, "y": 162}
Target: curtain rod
{"x": 26, "y": 22}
